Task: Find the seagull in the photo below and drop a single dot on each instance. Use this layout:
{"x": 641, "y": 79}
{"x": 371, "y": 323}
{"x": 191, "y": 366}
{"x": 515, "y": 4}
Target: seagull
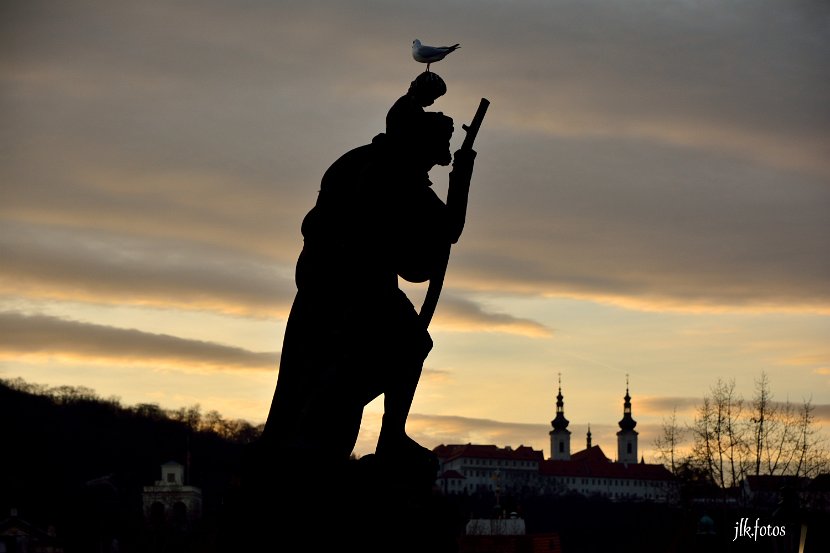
{"x": 430, "y": 54}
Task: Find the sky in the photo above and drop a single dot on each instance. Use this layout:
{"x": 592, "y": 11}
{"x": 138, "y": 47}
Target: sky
{"x": 650, "y": 200}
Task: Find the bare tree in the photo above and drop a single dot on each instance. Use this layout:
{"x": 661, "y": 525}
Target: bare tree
{"x": 668, "y": 440}
{"x": 720, "y": 435}
{"x": 786, "y": 437}
{"x": 768, "y": 437}
{"x": 191, "y": 416}
{"x": 763, "y": 419}
{"x": 71, "y": 394}
{"x": 810, "y": 459}
{"x": 735, "y": 442}
{"x": 212, "y": 421}
{"x": 704, "y": 448}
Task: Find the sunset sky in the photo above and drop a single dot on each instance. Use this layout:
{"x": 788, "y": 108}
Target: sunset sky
{"x": 651, "y": 198}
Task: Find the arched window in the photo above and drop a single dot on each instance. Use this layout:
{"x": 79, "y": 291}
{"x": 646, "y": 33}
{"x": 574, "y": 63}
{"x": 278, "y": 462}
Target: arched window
{"x": 179, "y": 513}
{"x": 157, "y": 514}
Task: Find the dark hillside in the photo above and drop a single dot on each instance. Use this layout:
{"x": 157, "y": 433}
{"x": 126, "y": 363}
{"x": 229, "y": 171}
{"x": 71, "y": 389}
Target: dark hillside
{"x": 77, "y": 462}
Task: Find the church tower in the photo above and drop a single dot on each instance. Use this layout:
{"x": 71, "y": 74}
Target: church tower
{"x": 560, "y": 436}
{"x": 627, "y": 436}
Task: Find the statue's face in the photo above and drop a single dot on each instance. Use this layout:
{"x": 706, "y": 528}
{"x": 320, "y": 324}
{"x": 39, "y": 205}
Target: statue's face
{"x": 444, "y": 155}
{"x": 423, "y": 97}
{"x": 436, "y": 150}
{"x": 440, "y": 144}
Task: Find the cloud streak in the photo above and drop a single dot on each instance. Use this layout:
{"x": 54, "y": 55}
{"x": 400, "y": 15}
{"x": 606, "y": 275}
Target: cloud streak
{"x": 459, "y": 314}
{"x": 56, "y": 263}
{"x": 665, "y": 405}
{"x": 69, "y": 264}
{"x": 432, "y": 430}
{"x": 687, "y": 408}
{"x": 40, "y": 336}
{"x": 455, "y": 429}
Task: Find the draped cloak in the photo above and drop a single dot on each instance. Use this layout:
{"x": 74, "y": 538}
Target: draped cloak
{"x": 351, "y": 330}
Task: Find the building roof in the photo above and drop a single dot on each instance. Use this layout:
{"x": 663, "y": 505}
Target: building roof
{"x": 593, "y": 454}
{"x": 592, "y": 462}
{"x": 456, "y": 451}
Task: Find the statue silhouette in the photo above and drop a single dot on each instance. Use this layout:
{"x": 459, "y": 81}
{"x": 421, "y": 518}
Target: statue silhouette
{"x": 352, "y": 334}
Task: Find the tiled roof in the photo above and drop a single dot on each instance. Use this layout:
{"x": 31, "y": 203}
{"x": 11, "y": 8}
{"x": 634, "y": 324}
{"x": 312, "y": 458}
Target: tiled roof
{"x": 593, "y": 463}
{"x": 593, "y": 454}
{"x": 521, "y": 453}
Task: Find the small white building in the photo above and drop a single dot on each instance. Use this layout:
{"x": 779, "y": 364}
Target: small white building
{"x": 169, "y": 501}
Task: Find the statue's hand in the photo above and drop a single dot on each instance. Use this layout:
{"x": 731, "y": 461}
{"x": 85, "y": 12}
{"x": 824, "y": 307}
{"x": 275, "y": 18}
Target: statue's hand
{"x": 462, "y": 165}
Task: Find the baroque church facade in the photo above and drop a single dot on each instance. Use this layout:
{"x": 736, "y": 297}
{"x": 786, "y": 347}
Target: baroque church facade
{"x": 470, "y": 468}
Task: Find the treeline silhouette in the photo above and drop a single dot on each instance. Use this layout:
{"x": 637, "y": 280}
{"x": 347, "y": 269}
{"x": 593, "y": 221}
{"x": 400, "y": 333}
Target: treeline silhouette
{"x": 77, "y": 462}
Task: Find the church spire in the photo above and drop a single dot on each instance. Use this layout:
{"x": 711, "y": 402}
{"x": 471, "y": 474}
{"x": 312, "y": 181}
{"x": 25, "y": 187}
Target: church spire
{"x": 588, "y": 440}
{"x": 560, "y": 436}
{"x": 627, "y": 423}
{"x": 627, "y": 436}
{"x": 560, "y": 422}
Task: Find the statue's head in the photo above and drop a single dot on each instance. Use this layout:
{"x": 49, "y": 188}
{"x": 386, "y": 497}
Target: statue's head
{"x": 423, "y": 137}
{"x": 426, "y": 88}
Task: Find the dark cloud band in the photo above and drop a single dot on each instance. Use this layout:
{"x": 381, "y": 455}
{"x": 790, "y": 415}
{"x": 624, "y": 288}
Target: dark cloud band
{"x": 25, "y": 335}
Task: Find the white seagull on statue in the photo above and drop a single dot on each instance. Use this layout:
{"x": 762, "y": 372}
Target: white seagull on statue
{"x": 431, "y": 54}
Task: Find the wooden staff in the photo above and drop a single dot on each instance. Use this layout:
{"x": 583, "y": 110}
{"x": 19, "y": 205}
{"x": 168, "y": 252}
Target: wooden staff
{"x": 436, "y": 282}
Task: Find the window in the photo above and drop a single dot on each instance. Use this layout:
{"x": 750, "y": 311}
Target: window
{"x": 561, "y": 447}
{"x": 157, "y": 513}
{"x": 171, "y": 478}
{"x": 629, "y": 447}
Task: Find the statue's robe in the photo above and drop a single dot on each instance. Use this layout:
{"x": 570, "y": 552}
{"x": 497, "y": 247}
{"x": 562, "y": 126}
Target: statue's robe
{"x": 351, "y": 330}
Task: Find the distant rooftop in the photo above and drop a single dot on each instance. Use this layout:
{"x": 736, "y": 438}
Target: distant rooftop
{"x": 592, "y": 462}
{"x": 456, "y": 451}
